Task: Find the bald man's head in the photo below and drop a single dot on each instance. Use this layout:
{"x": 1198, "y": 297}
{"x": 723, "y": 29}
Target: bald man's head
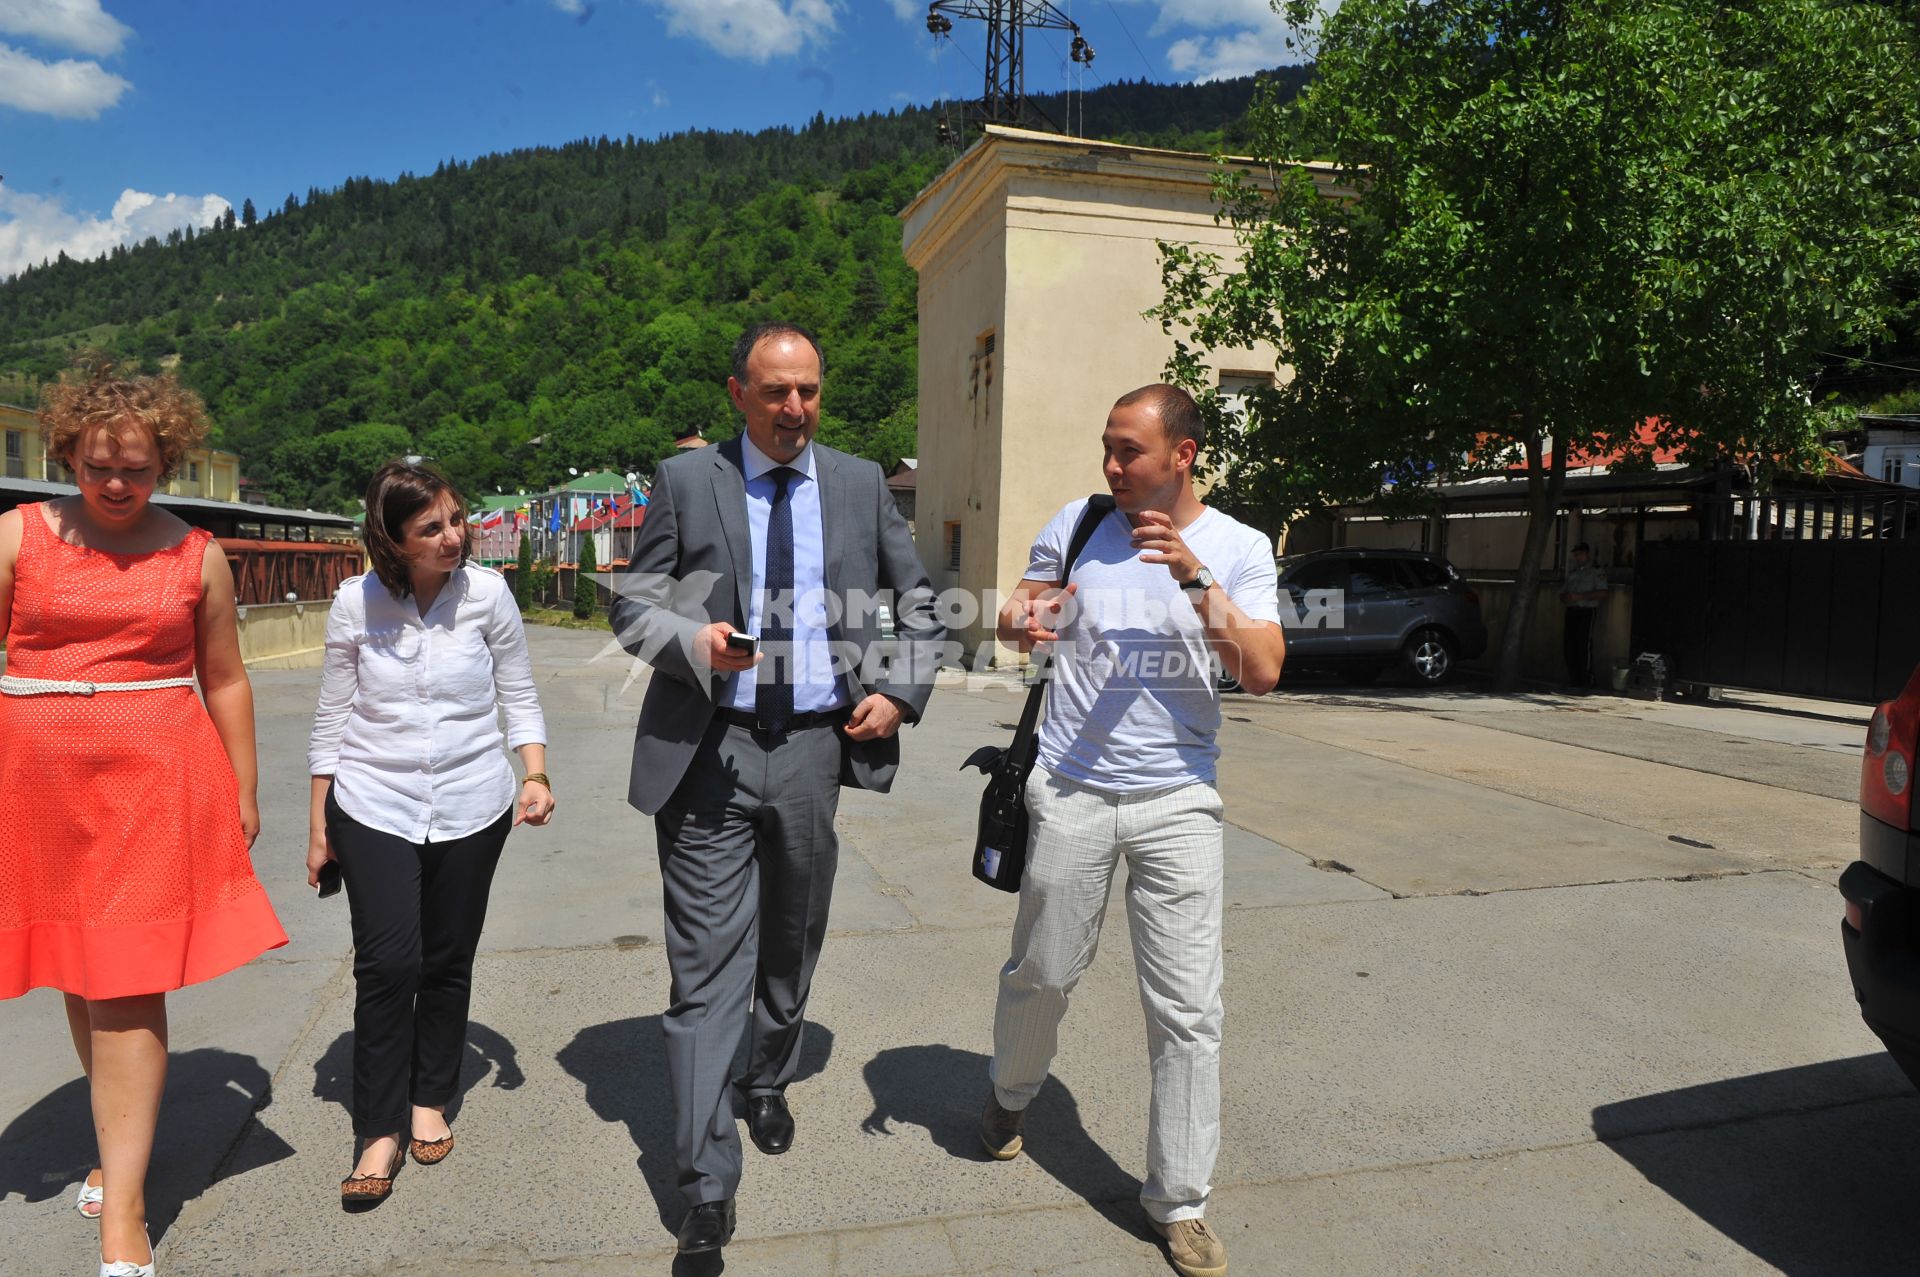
{"x": 1174, "y": 407}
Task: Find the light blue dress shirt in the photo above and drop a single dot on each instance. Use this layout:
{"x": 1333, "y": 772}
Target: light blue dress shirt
{"x": 814, "y": 686}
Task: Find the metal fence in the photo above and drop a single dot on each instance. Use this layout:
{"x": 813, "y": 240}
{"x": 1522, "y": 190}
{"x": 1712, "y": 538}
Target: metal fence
{"x": 276, "y": 571}
{"x": 1809, "y": 597}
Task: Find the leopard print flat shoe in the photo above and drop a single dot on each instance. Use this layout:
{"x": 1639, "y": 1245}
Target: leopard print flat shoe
{"x": 371, "y": 1190}
{"x": 431, "y": 1152}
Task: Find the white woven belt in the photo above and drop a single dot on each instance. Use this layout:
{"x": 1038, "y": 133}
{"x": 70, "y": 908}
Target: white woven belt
{"x": 14, "y": 685}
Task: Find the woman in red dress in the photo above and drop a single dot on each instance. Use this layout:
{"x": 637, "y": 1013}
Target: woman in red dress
{"x": 131, "y": 807}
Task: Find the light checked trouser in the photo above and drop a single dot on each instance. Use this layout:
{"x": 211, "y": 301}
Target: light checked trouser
{"x": 1172, "y": 843}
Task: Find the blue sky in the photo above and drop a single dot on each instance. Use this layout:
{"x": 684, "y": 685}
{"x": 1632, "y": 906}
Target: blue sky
{"x": 125, "y": 118}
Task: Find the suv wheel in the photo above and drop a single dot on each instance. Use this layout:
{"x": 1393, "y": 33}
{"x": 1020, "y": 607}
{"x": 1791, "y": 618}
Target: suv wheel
{"x": 1429, "y": 657}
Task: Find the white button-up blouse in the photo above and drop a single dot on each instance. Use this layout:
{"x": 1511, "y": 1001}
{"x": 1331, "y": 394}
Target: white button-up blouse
{"x": 407, "y": 723}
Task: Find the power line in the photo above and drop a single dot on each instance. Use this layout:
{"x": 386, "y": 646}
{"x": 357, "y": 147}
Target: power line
{"x": 1153, "y": 74}
{"x": 1872, "y": 363}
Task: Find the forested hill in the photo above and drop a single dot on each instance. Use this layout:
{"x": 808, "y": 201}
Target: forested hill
{"x": 519, "y": 314}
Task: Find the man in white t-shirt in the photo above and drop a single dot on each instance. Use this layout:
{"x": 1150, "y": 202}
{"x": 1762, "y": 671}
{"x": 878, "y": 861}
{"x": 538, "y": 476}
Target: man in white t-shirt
{"x": 1164, "y": 589}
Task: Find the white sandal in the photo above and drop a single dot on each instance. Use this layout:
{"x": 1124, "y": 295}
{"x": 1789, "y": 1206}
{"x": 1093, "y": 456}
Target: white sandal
{"x": 90, "y": 1195}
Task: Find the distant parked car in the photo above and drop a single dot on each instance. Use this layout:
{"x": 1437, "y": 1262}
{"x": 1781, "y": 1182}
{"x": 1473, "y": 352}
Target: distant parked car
{"x": 1396, "y": 607}
{"x": 1881, "y": 930}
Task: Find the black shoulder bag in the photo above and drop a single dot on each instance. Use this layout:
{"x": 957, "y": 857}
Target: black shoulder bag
{"x": 1000, "y": 841}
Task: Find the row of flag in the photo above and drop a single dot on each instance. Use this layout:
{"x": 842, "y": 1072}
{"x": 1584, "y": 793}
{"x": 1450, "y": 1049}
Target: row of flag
{"x": 561, "y": 514}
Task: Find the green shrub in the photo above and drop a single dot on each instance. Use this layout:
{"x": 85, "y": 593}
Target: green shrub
{"x": 584, "y": 590}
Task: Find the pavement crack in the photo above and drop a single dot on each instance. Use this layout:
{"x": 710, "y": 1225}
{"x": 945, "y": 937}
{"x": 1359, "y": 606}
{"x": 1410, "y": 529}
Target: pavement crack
{"x": 1713, "y": 875}
{"x": 1740, "y": 1119}
{"x": 1394, "y": 760}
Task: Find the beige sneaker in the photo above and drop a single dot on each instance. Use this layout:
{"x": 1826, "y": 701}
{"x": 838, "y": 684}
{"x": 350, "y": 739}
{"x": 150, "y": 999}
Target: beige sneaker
{"x": 1002, "y": 1130}
{"x": 1195, "y": 1249}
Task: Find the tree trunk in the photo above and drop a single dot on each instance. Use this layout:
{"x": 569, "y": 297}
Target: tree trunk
{"x": 1544, "y": 485}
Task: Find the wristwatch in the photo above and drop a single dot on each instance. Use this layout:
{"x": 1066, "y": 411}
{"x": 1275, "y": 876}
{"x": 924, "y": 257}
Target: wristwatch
{"x": 1201, "y": 583}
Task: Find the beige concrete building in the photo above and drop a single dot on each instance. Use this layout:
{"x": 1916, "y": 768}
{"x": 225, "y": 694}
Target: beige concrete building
{"x": 1037, "y": 255}
{"x": 207, "y": 473}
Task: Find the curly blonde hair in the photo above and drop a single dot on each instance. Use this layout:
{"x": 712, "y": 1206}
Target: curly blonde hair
{"x": 99, "y": 399}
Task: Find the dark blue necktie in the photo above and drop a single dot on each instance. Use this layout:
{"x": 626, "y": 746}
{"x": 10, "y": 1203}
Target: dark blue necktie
{"x": 773, "y": 696}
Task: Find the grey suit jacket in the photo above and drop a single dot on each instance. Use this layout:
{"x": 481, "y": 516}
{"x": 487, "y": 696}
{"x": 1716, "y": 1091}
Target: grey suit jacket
{"x": 693, "y": 564}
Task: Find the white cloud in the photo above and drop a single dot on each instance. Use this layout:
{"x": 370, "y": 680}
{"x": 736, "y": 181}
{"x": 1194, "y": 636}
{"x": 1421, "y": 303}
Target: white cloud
{"x": 914, "y": 11}
{"x": 757, "y": 30}
{"x": 35, "y": 228}
{"x": 572, "y": 8}
{"x": 81, "y": 25}
{"x": 1222, "y": 57}
{"x": 70, "y": 88}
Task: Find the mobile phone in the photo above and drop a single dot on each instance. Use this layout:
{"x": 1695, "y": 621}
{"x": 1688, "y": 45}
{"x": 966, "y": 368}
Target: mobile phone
{"x": 329, "y": 879}
{"x": 745, "y": 644}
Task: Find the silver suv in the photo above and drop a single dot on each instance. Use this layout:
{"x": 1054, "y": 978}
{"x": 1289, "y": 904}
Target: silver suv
{"x": 1364, "y": 610}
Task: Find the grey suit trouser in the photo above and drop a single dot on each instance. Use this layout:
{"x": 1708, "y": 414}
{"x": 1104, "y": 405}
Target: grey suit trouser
{"x": 747, "y": 857}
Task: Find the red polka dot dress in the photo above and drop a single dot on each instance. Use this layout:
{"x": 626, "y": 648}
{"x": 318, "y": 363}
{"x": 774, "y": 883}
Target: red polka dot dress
{"x": 123, "y": 867}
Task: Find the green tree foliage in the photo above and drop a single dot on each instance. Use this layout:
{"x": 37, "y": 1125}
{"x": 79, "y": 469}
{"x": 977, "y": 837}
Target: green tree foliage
{"x": 523, "y": 574}
{"x": 516, "y": 315}
{"x": 1544, "y": 224}
{"x": 583, "y": 582}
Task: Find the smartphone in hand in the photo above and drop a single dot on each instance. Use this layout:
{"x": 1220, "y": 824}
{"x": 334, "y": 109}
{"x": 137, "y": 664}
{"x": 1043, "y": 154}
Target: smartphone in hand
{"x": 329, "y": 879}
{"x": 744, "y": 644}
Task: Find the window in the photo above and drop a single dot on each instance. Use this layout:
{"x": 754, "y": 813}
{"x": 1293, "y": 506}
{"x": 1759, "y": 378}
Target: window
{"x": 193, "y": 472}
{"x": 953, "y": 547}
{"x": 16, "y": 455}
{"x": 980, "y": 368}
{"x": 1373, "y": 576}
{"x": 1890, "y": 469}
{"x": 1236, "y": 386}
{"x": 1420, "y": 574}
{"x": 1317, "y": 574}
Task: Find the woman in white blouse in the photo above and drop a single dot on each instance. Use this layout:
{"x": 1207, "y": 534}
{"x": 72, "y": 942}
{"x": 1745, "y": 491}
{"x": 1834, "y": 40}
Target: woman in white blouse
{"x": 413, "y": 798}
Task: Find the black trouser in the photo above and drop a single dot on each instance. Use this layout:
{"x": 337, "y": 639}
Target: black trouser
{"x": 1579, "y": 646}
{"x": 417, "y": 913}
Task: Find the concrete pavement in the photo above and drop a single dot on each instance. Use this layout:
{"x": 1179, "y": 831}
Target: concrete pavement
{"x": 1514, "y": 986}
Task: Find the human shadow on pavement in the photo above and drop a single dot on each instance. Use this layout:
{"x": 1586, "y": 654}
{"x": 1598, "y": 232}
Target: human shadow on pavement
{"x": 212, "y": 1099}
{"x": 486, "y": 1052}
{"x": 623, "y": 1065}
{"x": 944, "y": 1090}
{"x": 1815, "y": 1170}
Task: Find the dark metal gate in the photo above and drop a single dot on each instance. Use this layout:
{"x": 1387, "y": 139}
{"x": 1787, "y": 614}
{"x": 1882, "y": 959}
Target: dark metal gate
{"x": 1815, "y": 596}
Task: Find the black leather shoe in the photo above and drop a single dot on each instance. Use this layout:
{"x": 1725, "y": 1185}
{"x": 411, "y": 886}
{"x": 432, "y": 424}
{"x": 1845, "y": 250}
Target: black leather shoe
{"x": 770, "y": 1122}
{"x": 708, "y": 1226}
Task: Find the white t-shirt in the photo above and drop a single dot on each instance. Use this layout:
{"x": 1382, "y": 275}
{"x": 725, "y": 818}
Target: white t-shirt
{"x": 1134, "y": 706}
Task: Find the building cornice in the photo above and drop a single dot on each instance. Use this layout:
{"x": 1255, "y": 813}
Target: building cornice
{"x": 951, "y": 200}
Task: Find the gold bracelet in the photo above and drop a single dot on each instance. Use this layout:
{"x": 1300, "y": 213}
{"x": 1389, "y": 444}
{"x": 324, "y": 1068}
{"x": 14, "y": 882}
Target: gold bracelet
{"x": 537, "y": 778}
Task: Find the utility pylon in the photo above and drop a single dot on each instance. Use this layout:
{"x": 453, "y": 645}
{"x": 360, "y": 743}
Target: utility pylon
{"x": 1004, "y": 99}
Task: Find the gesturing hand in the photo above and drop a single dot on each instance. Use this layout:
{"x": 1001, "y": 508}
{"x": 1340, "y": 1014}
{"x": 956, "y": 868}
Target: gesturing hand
{"x": 1047, "y": 612}
{"x": 1160, "y": 542}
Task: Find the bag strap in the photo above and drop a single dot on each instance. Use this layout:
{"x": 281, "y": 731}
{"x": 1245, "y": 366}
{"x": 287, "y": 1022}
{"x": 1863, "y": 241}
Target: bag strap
{"x": 1099, "y": 505}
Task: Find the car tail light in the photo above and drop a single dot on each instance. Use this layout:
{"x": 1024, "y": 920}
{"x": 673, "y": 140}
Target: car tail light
{"x": 1886, "y": 768}
{"x": 1471, "y": 597}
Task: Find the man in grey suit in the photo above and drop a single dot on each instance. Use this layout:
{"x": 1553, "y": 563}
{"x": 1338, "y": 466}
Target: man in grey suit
{"x": 742, "y": 747}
